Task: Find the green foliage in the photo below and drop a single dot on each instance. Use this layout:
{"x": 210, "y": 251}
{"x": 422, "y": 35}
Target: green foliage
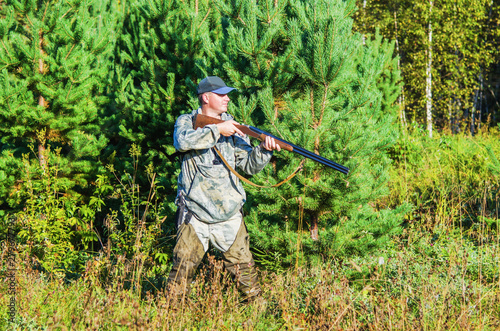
{"x": 464, "y": 49}
{"x": 494, "y": 165}
{"x": 132, "y": 223}
{"x": 85, "y": 84}
{"x": 53, "y": 63}
{"x": 53, "y": 228}
{"x": 156, "y": 67}
{"x": 451, "y": 180}
{"x": 121, "y": 222}
{"x": 256, "y": 51}
{"x": 340, "y": 106}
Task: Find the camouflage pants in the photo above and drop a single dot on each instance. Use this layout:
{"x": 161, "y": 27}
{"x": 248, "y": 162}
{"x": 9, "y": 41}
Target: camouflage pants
{"x": 238, "y": 260}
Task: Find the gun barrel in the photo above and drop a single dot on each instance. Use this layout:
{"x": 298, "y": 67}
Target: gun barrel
{"x": 202, "y": 120}
{"x": 306, "y": 153}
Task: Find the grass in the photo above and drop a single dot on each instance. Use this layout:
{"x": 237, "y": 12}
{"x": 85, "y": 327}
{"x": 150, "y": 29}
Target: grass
{"x": 451, "y": 180}
{"x": 443, "y": 273}
{"x": 423, "y": 282}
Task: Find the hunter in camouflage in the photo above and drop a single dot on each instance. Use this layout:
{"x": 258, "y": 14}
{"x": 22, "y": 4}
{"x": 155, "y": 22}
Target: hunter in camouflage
{"x": 209, "y": 196}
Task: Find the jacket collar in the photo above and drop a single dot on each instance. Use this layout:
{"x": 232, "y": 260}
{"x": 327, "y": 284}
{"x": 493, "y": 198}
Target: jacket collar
{"x": 224, "y": 116}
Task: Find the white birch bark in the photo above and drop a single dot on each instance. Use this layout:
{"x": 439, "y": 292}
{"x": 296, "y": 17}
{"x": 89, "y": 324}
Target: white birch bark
{"x": 428, "y": 89}
{"x": 401, "y": 98}
{"x": 363, "y": 38}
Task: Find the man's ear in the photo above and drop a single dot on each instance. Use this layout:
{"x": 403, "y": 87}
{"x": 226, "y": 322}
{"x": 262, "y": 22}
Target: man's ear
{"x": 205, "y": 97}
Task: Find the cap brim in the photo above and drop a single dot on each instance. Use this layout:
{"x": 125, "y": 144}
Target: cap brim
{"x": 223, "y": 90}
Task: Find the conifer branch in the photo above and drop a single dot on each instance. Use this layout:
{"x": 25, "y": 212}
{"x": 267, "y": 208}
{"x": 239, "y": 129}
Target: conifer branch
{"x": 340, "y": 66}
{"x": 204, "y": 18}
{"x": 348, "y": 139}
{"x": 359, "y": 149}
{"x": 69, "y": 10}
{"x": 69, "y": 90}
{"x": 66, "y": 57}
{"x": 257, "y": 62}
{"x": 323, "y": 106}
{"x": 45, "y": 11}
{"x": 381, "y": 148}
{"x": 267, "y": 12}
{"x": 311, "y": 98}
{"x": 241, "y": 20}
{"x": 331, "y": 51}
{"x": 350, "y": 13}
{"x": 28, "y": 18}
{"x": 6, "y": 49}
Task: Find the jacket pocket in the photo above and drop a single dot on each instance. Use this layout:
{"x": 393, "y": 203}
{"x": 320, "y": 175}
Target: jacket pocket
{"x": 214, "y": 191}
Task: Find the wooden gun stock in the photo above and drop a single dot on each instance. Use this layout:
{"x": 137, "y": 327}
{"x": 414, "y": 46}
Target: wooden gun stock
{"x": 201, "y": 121}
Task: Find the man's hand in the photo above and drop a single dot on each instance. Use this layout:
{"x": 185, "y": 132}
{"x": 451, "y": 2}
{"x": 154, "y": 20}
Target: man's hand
{"x": 228, "y": 128}
{"x": 270, "y": 144}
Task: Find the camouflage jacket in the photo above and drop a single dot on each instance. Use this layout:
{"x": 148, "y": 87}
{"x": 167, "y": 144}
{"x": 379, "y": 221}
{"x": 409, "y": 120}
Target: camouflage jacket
{"x": 210, "y": 191}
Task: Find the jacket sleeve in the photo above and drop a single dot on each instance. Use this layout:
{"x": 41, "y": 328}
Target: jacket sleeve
{"x": 186, "y": 138}
{"x": 250, "y": 159}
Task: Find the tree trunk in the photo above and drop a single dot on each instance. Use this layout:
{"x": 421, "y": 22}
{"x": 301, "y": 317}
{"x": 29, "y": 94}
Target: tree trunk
{"x": 401, "y": 98}
{"x": 473, "y": 114}
{"x": 314, "y": 227}
{"x": 363, "y": 38}
{"x": 428, "y": 89}
{"x": 41, "y": 101}
{"x": 480, "y": 107}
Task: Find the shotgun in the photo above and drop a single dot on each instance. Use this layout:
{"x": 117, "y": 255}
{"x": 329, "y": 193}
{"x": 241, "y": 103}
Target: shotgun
{"x": 201, "y": 121}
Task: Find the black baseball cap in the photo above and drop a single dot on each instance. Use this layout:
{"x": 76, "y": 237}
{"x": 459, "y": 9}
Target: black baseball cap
{"x": 213, "y": 84}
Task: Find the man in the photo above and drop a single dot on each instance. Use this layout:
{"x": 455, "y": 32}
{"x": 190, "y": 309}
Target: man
{"x": 209, "y": 196}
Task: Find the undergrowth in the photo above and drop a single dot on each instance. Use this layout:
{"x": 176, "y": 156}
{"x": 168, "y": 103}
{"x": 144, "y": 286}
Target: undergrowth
{"x": 422, "y": 282}
{"x": 452, "y": 181}
{"x": 442, "y": 272}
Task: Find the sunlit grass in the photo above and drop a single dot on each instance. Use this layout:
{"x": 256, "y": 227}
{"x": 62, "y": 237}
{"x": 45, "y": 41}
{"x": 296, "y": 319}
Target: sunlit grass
{"x": 441, "y": 273}
{"x": 423, "y": 282}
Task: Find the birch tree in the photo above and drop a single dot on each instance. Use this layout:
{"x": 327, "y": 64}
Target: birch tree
{"x": 428, "y": 72}
{"x": 445, "y": 48}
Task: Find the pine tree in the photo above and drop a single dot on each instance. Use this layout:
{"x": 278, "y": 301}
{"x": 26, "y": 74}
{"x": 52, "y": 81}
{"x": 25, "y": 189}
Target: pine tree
{"x": 54, "y": 62}
{"x": 158, "y": 61}
{"x": 333, "y": 106}
{"x": 256, "y": 52}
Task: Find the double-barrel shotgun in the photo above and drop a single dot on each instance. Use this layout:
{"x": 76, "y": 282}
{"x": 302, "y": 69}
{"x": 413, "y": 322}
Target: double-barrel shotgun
{"x": 201, "y": 121}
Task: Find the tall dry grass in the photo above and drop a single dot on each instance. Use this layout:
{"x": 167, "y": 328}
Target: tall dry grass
{"x": 421, "y": 283}
{"x": 443, "y": 273}
{"x": 451, "y": 180}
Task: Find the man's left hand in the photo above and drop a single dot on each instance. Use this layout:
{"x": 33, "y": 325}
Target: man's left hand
{"x": 270, "y": 144}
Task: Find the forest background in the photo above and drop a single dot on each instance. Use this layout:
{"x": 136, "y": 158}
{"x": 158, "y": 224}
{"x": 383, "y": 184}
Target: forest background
{"x": 404, "y": 93}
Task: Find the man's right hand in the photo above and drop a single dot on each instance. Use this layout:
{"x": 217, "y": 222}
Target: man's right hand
{"x": 228, "y": 128}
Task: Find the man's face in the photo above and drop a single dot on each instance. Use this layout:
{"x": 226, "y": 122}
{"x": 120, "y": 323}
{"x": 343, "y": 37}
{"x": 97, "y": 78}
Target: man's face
{"x": 216, "y": 104}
